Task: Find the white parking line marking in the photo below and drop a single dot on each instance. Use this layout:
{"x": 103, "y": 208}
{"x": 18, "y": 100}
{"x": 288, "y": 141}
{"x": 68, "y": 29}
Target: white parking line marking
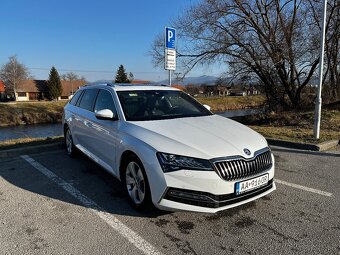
{"x": 320, "y": 192}
{"x": 111, "y": 220}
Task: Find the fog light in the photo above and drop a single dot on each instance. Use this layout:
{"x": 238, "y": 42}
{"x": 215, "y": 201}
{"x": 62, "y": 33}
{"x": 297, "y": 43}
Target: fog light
{"x": 186, "y": 195}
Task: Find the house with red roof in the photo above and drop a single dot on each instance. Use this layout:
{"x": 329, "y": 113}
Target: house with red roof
{"x": 28, "y": 90}
{"x": 32, "y": 90}
{"x": 140, "y": 82}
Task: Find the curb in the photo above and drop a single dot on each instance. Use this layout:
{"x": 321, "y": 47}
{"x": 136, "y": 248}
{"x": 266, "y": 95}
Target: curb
{"x": 328, "y": 145}
{"x": 30, "y": 150}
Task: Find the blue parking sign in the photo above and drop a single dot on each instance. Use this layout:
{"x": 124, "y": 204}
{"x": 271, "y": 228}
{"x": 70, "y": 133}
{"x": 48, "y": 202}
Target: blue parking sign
{"x": 170, "y": 38}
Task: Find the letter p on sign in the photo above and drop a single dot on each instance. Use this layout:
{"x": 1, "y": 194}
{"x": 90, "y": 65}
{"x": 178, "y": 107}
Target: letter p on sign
{"x": 170, "y": 37}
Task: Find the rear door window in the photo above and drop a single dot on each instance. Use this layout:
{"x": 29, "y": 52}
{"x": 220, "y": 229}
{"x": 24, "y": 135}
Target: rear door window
{"x": 88, "y": 99}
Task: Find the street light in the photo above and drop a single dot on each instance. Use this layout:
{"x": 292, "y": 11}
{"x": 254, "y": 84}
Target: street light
{"x": 318, "y": 100}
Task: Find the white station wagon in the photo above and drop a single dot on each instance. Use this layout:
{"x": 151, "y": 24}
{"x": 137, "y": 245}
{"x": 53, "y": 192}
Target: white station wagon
{"x": 167, "y": 149}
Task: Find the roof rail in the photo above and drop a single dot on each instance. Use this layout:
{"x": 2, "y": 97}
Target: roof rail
{"x": 100, "y": 83}
{"x": 125, "y": 84}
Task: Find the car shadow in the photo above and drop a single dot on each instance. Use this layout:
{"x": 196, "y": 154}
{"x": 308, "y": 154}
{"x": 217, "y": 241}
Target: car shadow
{"x": 316, "y": 153}
{"x": 84, "y": 175}
{"x": 116, "y": 193}
{"x": 91, "y": 180}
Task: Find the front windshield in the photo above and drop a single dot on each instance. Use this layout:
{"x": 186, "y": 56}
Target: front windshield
{"x": 159, "y": 104}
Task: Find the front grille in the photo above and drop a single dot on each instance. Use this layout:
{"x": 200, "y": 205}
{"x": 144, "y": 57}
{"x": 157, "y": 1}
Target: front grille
{"x": 234, "y": 169}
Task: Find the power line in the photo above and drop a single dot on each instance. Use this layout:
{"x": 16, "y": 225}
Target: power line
{"x": 85, "y": 71}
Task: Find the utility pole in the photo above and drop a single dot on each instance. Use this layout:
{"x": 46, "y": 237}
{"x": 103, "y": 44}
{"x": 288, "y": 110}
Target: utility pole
{"x": 178, "y": 79}
{"x": 72, "y": 87}
{"x": 318, "y": 100}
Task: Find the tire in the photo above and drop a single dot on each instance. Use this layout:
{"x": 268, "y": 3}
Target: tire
{"x": 136, "y": 183}
{"x": 71, "y": 150}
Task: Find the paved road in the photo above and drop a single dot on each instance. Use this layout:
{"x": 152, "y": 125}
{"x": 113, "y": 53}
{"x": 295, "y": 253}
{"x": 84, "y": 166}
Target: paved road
{"x": 52, "y": 204}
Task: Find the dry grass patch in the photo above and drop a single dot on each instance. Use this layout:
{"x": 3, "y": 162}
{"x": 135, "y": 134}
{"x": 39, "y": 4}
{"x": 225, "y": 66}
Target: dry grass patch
{"x": 221, "y": 104}
{"x": 295, "y": 134}
{"x": 297, "y": 126}
{"x": 30, "y": 112}
{"x": 24, "y": 142}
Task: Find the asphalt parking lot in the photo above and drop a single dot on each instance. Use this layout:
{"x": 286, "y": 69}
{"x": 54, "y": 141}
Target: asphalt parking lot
{"x": 52, "y": 204}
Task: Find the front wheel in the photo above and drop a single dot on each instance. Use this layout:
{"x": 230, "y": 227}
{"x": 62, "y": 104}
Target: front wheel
{"x": 136, "y": 183}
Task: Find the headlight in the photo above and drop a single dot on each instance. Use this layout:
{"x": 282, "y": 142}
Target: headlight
{"x": 171, "y": 162}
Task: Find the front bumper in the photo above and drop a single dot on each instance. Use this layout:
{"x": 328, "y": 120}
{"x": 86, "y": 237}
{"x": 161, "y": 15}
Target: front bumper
{"x": 216, "y": 206}
{"x": 205, "y": 191}
{"x": 204, "y": 199}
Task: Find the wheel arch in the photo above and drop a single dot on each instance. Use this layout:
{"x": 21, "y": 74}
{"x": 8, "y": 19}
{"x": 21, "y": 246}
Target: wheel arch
{"x": 123, "y": 159}
{"x": 147, "y": 155}
{"x": 65, "y": 127}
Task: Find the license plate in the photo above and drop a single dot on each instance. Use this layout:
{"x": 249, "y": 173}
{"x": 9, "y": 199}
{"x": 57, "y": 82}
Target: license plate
{"x": 248, "y": 185}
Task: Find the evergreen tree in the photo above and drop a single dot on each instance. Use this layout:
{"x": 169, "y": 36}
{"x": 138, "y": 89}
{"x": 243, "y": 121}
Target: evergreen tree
{"x": 121, "y": 76}
{"x": 54, "y": 84}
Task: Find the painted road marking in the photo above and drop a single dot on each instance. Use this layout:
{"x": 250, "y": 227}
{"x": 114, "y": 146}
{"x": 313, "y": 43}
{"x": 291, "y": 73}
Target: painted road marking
{"x": 320, "y": 192}
{"x": 111, "y": 220}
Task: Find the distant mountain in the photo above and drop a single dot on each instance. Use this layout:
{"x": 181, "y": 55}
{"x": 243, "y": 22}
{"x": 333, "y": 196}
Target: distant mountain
{"x": 204, "y": 79}
{"x": 101, "y": 82}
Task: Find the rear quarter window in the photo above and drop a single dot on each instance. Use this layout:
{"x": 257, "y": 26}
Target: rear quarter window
{"x": 75, "y": 98}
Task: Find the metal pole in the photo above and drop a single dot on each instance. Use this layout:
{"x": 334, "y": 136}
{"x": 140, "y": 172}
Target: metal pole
{"x": 169, "y": 78}
{"x": 318, "y": 100}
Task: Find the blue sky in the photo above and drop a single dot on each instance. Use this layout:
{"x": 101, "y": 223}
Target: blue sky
{"x": 87, "y": 35}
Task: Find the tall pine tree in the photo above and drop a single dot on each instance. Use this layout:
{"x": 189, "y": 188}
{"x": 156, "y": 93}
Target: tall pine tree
{"x": 121, "y": 76}
{"x": 54, "y": 84}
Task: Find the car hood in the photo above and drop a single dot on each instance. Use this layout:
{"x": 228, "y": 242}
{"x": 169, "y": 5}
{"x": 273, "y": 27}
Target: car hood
{"x": 203, "y": 137}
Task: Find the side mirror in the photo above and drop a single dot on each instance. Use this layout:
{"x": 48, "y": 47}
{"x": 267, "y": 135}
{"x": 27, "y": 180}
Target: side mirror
{"x": 207, "y": 106}
{"x": 105, "y": 114}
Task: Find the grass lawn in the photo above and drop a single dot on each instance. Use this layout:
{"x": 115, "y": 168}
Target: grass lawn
{"x": 16, "y": 113}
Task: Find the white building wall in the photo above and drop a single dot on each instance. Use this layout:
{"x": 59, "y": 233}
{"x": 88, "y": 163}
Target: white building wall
{"x": 22, "y": 98}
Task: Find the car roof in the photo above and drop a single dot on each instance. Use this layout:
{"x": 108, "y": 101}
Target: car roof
{"x": 129, "y": 87}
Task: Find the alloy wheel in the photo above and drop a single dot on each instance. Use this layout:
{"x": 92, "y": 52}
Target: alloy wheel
{"x": 135, "y": 183}
{"x": 69, "y": 142}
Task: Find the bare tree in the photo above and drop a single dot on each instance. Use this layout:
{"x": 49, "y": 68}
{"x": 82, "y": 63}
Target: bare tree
{"x": 69, "y": 76}
{"x": 72, "y": 77}
{"x": 12, "y": 73}
{"x": 331, "y": 91}
{"x": 277, "y": 41}
{"x": 131, "y": 77}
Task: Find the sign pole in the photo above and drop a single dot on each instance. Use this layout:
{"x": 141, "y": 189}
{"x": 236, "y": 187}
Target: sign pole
{"x": 169, "y": 78}
{"x": 318, "y": 100}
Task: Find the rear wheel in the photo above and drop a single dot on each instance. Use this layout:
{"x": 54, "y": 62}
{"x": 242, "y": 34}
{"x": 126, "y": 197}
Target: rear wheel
{"x": 136, "y": 183}
{"x": 70, "y": 148}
